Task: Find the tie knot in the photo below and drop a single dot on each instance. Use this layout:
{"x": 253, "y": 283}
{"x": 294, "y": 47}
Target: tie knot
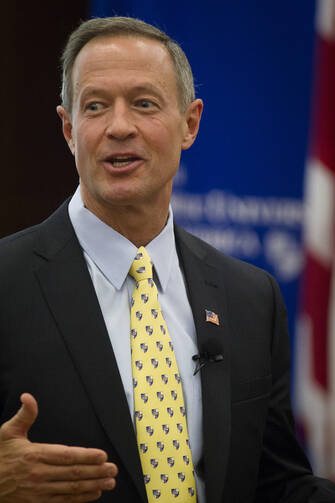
{"x": 141, "y": 268}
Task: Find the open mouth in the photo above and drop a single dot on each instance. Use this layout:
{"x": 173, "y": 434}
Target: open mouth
{"x": 119, "y": 161}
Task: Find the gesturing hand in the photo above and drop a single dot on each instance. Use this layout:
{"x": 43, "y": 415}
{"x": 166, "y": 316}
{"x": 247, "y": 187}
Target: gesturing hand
{"x": 39, "y": 473}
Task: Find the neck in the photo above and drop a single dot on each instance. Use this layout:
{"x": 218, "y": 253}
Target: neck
{"x": 140, "y": 224}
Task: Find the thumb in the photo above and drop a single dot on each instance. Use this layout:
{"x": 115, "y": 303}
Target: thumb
{"x": 19, "y": 425}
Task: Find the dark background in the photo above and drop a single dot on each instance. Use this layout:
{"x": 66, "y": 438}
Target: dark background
{"x": 38, "y": 171}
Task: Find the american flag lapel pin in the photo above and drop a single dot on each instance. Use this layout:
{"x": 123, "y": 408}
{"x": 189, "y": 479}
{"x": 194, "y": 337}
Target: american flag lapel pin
{"x": 212, "y": 317}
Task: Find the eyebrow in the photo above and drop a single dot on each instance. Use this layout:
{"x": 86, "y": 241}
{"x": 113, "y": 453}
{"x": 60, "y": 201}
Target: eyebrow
{"x": 137, "y": 89}
{"x": 89, "y": 91}
{"x": 148, "y": 87}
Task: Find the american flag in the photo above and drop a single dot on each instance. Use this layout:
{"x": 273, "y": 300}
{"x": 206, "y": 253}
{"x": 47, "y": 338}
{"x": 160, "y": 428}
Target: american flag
{"x": 315, "y": 338}
{"x": 212, "y": 317}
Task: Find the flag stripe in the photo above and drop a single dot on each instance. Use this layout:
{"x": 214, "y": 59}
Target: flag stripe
{"x": 325, "y": 19}
{"x": 316, "y": 293}
{"x": 323, "y": 119}
{"x": 319, "y": 211}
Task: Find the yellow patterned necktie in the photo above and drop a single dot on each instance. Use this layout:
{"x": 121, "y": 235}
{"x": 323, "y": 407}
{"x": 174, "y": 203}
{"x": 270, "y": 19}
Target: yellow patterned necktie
{"x": 160, "y": 414}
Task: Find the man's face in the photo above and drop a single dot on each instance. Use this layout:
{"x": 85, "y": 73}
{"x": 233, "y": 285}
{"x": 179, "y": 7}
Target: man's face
{"x": 126, "y": 129}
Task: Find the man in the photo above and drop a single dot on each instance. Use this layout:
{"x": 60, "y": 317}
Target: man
{"x": 67, "y": 295}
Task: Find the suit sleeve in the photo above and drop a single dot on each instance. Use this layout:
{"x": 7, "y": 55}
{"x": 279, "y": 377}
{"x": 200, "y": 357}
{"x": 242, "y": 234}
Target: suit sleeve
{"x": 285, "y": 475}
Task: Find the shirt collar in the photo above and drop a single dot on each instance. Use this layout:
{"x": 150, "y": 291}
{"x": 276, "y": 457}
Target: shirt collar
{"x": 112, "y": 253}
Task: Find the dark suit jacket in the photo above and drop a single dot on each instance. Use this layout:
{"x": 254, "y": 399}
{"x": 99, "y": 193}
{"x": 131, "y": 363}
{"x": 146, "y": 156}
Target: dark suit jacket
{"x": 54, "y": 344}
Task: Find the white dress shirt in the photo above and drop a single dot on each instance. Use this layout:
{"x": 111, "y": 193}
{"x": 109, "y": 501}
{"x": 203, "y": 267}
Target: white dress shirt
{"x": 109, "y": 256}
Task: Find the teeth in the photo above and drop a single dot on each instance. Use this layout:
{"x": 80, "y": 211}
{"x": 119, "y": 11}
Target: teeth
{"x": 121, "y": 163}
{"x": 121, "y": 160}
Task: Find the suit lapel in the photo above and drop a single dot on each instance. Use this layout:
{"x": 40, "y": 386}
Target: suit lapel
{"x": 205, "y": 292}
{"x": 69, "y": 292}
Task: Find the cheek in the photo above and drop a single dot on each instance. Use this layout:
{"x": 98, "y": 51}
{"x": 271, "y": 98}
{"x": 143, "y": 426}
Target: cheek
{"x": 85, "y": 141}
{"x": 82, "y": 152}
{"x": 164, "y": 138}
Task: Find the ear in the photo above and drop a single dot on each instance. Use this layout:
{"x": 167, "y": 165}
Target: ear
{"x": 66, "y": 126}
{"x": 192, "y": 123}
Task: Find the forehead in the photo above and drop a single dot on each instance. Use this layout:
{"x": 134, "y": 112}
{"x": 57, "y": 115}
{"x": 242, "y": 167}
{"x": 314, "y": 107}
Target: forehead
{"x": 122, "y": 57}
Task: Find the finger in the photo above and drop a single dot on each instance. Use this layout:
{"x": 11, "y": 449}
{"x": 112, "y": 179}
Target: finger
{"x": 65, "y": 456}
{"x": 80, "y": 472}
{"x": 7, "y": 486}
{"x": 19, "y": 425}
{"x": 73, "y": 487}
{"x": 53, "y": 473}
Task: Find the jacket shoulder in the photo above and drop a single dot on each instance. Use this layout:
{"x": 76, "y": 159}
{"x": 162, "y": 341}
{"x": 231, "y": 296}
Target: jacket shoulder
{"x": 19, "y": 240}
{"x": 229, "y": 265}
{"x": 51, "y": 233}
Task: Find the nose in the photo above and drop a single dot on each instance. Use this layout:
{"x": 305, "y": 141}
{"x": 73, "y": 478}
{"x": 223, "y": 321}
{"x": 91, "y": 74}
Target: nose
{"x": 121, "y": 123}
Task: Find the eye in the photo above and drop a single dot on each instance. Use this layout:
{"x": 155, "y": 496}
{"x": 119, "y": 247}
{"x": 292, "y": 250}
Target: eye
{"x": 93, "y": 106}
{"x": 146, "y": 104}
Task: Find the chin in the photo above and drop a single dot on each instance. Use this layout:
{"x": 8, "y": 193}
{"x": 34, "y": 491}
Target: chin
{"x": 121, "y": 199}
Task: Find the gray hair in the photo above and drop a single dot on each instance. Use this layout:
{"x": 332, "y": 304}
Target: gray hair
{"x": 127, "y": 26}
